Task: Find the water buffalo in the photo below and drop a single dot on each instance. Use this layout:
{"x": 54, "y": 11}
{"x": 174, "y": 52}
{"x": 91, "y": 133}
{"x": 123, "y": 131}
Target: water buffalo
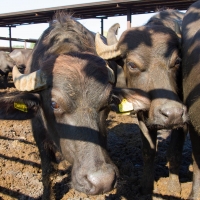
{"x": 6, "y": 65}
{"x": 20, "y": 56}
{"x": 150, "y": 58}
{"x": 191, "y": 86}
{"x": 68, "y": 93}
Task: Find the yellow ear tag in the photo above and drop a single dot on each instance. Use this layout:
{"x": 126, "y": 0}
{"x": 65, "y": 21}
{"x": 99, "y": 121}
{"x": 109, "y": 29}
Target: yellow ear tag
{"x": 125, "y": 107}
{"x": 21, "y": 106}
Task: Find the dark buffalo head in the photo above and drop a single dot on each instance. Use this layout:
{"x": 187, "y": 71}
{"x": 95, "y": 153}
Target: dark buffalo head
{"x": 20, "y": 56}
{"x": 150, "y": 58}
{"x": 71, "y": 96}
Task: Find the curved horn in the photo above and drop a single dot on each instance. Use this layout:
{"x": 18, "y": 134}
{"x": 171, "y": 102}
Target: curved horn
{"x": 105, "y": 51}
{"x": 112, "y": 32}
{"x": 111, "y": 74}
{"x": 28, "y": 82}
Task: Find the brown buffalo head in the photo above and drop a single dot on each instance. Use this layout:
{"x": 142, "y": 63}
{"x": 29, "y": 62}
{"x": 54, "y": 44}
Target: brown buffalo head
{"x": 151, "y": 62}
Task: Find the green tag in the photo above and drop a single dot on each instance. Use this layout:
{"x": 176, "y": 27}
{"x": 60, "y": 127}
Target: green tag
{"x": 21, "y": 106}
{"x": 125, "y": 106}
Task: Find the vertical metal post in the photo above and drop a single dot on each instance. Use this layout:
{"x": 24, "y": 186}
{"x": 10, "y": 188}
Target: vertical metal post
{"x": 128, "y": 18}
{"x": 10, "y": 38}
{"x": 101, "y": 26}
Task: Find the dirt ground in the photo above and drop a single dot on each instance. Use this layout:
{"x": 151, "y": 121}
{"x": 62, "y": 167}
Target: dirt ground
{"x": 20, "y": 169}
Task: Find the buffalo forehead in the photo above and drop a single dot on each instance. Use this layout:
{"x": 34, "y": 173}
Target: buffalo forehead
{"x": 161, "y": 48}
{"x": 78, "y": 75}
{"x": 148, "y": 39}
{"x": 86, "y": 65}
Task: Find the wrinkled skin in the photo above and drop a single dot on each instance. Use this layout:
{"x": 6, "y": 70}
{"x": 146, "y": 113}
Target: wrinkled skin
{"x": 150, "y": 57}
{"x": 69, "y": 114}
{"x": 191, "y": 88}
{"x": 6, "y": 65}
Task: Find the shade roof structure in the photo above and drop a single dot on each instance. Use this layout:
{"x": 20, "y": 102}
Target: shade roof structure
{"x": 100, "y": 9}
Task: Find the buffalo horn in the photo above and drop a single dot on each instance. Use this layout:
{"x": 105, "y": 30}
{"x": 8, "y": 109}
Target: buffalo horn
{"x": 177, "y": 28}
{"x": 105, "y": 51}
{"x": 28, "y": 82}
{"x": 111, "y": 74}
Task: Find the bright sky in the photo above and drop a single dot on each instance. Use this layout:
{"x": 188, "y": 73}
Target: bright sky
{"x": 35, "y": 31}
{"x": 24, "y": 5}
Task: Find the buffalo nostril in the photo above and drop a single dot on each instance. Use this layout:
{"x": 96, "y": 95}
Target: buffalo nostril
{"x": 164, "y": 112}
{"x": 172, "y": 114}
{"x": 173, "y": 111}
{"x": 168, "y": 115}
{"x": 102, "y": 181}
{"x": 95, "y": 182}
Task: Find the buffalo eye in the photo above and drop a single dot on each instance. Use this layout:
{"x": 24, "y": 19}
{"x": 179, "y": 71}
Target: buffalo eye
{"x": 131, "y": 65}
{"x": 54, "y": 105}
{"x": 177, "y": 62}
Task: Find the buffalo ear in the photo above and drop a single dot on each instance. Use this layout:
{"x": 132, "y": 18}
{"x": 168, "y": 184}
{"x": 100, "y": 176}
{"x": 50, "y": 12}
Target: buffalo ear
{"x": 132, "y": 100}
{"x": 19, "y": 106}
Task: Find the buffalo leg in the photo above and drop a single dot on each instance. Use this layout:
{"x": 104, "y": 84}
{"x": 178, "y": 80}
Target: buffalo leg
{"x": 195, "y": 140}
{"x": 149, "y": 139}
{"x": 49, "y": 167}
{"x": 48, "y": 175}
{"x": 174, "y": 156}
